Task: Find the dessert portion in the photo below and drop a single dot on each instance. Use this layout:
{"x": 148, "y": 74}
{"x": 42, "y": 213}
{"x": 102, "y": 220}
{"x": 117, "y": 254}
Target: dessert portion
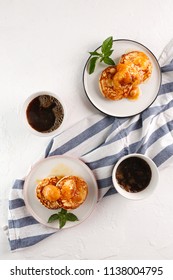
{"x": 67, "y": 192}
{"x": 123, "y": 80}
{"x": 140, "y": 61}
{"x": 73, "y": 190}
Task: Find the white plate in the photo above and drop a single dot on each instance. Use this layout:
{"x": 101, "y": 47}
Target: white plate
{"x": 123, "y": 107}
{"x": 59, "y": 165}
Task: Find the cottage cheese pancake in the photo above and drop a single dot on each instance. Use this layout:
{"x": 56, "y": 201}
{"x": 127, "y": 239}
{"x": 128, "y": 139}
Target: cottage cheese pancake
{"x": 139, "y": 60}
{"x": 107, "y": 86}
{"x": 74, "y": 191}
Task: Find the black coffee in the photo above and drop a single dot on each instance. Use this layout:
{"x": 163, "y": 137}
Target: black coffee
{"x": 133, "y": 174}
{"x": 45, "y": 113}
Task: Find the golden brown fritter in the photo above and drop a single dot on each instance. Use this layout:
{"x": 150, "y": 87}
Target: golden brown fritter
{"x": 74, "y": 191}
{"x": 107, "y": 87}
{"x": 139, "y": 60}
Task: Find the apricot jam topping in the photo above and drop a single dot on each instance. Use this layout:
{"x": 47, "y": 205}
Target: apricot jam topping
{"x": 51, "y": 193}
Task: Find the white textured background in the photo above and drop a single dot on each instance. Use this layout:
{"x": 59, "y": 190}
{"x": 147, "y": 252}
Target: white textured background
{"x": 44, "y": 45}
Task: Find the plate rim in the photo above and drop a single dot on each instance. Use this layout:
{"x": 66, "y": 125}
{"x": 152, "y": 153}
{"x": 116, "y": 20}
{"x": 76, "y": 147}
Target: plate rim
{"x": 131, "y": 115}
{"x": 29, "y": 208}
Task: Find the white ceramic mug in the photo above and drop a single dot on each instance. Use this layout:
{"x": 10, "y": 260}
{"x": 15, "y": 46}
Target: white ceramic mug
{"x": 25, "y": 118}
{"x": 149, "y": 188}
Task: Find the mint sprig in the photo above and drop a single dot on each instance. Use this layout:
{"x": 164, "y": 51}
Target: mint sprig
{"x": 63, "y": 216}
{"x": 104, "y": 55}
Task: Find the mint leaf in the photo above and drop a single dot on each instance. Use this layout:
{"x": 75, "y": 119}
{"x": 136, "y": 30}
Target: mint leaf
{"x": 108, "y": 61}
{"x": 53, "y": 218}
{"x": 62, "y": 220}
{"x": 63, "y": 211}
{"x": 104, "y": 55}
{"x": 71, "y": 217}
{"x": 107, "y": 44}
{"x": 63, "y": 216}
{"x": 92, "y": 64}
{"x": 95, "y": 53}
{"x": 108, "y": 53}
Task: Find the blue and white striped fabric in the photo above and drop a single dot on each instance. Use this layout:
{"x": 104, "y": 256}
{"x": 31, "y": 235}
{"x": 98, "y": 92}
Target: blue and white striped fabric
{"x": 100, "y": 141}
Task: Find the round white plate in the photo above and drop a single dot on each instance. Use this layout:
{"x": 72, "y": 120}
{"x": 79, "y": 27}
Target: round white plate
{"x": 123, "y": 107}
{"x": 59, "y": 165}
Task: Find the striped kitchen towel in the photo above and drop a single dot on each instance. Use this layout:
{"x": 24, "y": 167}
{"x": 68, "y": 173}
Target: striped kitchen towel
{"x": 100, "y": 141}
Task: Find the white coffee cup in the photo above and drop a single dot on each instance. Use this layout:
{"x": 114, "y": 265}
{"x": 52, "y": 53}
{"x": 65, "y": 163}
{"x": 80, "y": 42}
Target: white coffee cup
{"x": 148, "y": 189}
{"x": 25, "y": 117}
